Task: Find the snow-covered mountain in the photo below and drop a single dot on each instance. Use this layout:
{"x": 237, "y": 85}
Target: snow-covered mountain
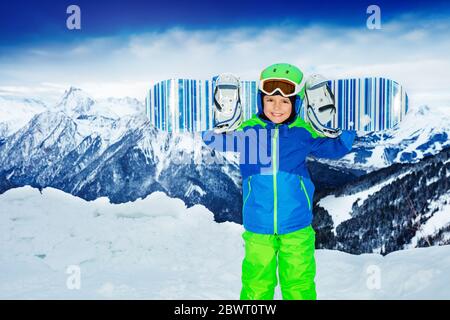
{"x": 76, "y": 148}
{"x": 16, "y": 112}
{"x": 401, "y": 200}
{"x": 157, "y": 248}
{"x": 423, "y": 132}
{"x": 78, "y": 104}
{"x": 399, "y": 207}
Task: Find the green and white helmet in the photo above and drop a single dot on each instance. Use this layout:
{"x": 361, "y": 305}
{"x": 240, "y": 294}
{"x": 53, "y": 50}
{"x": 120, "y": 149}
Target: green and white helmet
{"x": 284, "y": 78}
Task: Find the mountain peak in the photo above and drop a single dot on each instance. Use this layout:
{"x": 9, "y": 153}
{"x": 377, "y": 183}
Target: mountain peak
{"x": 73, "y": 89}
{"x": 74, "y": 92}
{"x": 75, "y": 102}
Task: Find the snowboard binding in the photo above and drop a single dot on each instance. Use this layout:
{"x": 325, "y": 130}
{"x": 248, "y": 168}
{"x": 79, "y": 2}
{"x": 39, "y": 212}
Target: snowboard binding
{"x": 320, "y": 106}
{"x": 228, "y": 114}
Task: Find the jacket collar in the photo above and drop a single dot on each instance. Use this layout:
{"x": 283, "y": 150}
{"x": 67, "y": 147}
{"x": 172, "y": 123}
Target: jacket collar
{"x": 283, "y": 127}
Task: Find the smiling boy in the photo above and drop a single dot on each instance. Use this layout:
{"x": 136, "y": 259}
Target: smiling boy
{"x": 277, "y": 198}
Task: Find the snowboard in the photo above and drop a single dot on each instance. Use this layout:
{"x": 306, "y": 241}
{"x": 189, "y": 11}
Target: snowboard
{"x": 362, "y": 104}
{"x": 368, "y": 104}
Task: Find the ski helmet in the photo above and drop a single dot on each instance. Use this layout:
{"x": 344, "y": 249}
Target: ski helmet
{"x": 284, "y": 78}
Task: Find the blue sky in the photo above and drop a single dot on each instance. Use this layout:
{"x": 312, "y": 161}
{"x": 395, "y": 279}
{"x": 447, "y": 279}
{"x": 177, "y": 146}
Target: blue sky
{"x": 31, "y": 21}
{"x": 125, "y": 46}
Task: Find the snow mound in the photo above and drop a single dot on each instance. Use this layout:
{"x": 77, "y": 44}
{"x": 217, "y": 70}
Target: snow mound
{"x": 151, "y": 248}
{"x": 156, "y": 248}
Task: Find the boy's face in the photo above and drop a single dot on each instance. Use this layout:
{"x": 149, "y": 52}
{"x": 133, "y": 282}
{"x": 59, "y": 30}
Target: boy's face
{"x": 277, "y": 108}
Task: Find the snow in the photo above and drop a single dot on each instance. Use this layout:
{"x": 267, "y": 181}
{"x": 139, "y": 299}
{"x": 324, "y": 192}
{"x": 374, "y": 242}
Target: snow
{"x": 101, "y": 116}
{"x": 120, "y": 107}
{"x": 76, "y": 102}
{"x": 151, "y": 248}
{"x": 420, "y": 273}
{"x": 156, "y": 248}
{"x": 420, "y": 123}
{"x": 16, "y": 112}
{"x": 377, "y": 159}
{"x": 155, "y": 147}
{"x": 108, "y": 129}
{"x": 340, "y": 208}
{"x": 196, "y": 189}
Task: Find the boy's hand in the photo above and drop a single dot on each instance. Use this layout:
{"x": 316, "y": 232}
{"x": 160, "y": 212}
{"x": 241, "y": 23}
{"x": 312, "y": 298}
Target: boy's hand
{"x": 334, "y": 133}
{"x": 222, "y": 129}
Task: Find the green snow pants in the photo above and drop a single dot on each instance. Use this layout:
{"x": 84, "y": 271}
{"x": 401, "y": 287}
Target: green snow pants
{"x": 292, "y": 252}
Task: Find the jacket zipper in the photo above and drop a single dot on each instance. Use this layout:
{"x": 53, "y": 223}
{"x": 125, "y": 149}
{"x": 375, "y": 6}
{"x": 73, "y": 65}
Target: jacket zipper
{"x": 249, "y": 190}
{"x": 305, "y": 192}
{"x": 274, "y": 171}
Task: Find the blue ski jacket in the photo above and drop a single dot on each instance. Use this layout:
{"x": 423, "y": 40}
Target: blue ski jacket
{"x": 277, "y": 189}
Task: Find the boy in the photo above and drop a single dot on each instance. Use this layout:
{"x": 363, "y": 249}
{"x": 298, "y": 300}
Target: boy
{"x": 278, "y": 194}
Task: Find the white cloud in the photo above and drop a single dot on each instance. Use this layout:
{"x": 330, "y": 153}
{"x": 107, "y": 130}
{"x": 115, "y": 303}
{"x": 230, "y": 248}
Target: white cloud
{"x": 410, "y": 51}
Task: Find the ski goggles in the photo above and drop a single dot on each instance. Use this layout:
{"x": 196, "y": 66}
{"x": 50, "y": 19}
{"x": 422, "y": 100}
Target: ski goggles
{"x": 286, "y": 87}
